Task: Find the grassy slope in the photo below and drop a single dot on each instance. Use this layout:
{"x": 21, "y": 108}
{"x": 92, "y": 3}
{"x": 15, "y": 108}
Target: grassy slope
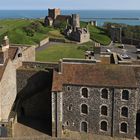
{"x": 10, "y": 24}
{"x": 58, "y": 51}
{"x": 14, "y": 29}
{"x": 97, "y": 34}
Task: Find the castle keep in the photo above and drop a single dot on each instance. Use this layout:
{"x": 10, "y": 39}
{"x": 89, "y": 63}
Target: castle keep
{"x": 73, "y": 30}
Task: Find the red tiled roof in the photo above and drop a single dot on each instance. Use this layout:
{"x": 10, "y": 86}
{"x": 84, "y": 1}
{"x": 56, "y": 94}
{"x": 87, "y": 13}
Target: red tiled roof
{"x": 57, "y": 81}
{"x": 95, "y": 75}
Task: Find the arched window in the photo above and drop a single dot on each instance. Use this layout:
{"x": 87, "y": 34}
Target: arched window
{"x": 85, "y": 92}
{"x": 103, "y": 125}
{"x": 84, "y": 109}
{"x": 67, "y": 123}
{"x": 104, "y": 110}
{"x": 124, "y": 127}
{"x": 84, "y": 127}
{"x": 125, "y": 95}
{"x": 104, "y": 93}
{"x": 124, "y": 111}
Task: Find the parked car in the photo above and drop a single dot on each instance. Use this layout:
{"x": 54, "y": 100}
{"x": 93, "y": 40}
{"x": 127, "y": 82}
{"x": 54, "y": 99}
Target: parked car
{"x": 108, "y": 50}
{"x": 121, "y": 46}
{"x": 125, "y": 56}
{"x": 138, "y": 50}
{"x": 138, "y": 56}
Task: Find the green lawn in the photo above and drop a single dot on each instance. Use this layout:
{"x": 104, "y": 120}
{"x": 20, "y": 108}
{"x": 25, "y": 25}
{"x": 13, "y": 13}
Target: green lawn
{"x": 55, "y": 34}
{"x": 97, "y": 34}
{"x": 59, "y": 51}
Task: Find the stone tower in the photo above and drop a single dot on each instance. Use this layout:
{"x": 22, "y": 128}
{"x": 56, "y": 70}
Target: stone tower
{"x": 75, "y": 21}
{"x": 53, "y": 13}
{"x": 4, "y": 50}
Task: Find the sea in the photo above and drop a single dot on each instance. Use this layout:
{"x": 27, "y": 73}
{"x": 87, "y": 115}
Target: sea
{"x": 130, "y": 17}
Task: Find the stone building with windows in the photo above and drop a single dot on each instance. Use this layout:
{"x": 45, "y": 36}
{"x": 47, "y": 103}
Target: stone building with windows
{"x": 95, "y": 98}
{"x": 85, "y": 96}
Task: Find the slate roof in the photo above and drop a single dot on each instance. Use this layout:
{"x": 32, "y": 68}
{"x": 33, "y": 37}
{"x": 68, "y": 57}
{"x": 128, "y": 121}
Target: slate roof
{"x": 95, "y": 75}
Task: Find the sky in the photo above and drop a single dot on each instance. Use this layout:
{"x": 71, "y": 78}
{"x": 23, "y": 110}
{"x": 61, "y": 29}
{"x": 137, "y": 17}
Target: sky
{"x": 71, "y": 4}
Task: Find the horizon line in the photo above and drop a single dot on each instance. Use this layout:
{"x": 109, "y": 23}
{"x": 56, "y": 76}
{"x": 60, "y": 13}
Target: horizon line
{"x": 78, "y": 9}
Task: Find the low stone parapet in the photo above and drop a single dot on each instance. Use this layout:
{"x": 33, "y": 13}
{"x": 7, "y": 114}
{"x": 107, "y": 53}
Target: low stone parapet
{"x": 57, "y": 40}
{"x": 41, "y": 65}
{"x": 44, "y": 41}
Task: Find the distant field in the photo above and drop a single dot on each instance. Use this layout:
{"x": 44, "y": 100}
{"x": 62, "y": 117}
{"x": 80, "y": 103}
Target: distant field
{"x": 59, "y": 51}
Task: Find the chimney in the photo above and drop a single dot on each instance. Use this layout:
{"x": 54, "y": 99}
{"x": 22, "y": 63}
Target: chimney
{"x": 4, "y": 50}
{"x": 60, "y": 63}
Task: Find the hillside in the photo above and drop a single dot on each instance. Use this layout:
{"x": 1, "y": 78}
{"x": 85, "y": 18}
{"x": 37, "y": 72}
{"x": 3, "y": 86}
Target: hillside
{"x": 23, "y": 31}
{"x": 99, "y": 35}
{"x": 32, "y": 31}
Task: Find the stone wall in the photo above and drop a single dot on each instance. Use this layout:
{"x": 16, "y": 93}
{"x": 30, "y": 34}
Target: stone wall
{"x": 138, "y": 101}
{"x": 34, "y": 98}
{"x": 131, "y": 41}
{"x": 57, "y": 40}
{"x": 28, "y": 54}
{"x": 8, "y": 91}
{"x": 2, "y": 57}
{"x": 36, "y": 138}
{"x": 85, "y": 37}
{"x": 80, "y": 37}
{"x": 40, "y": 65}
{"x": 73, "y": 118}
{"x": 131, "y": 119}
{"x": 34, "y": 89}
{"x": 44, "y": 42}
{"x": 57, "y": 98}
{"x": 23, "y": 54}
